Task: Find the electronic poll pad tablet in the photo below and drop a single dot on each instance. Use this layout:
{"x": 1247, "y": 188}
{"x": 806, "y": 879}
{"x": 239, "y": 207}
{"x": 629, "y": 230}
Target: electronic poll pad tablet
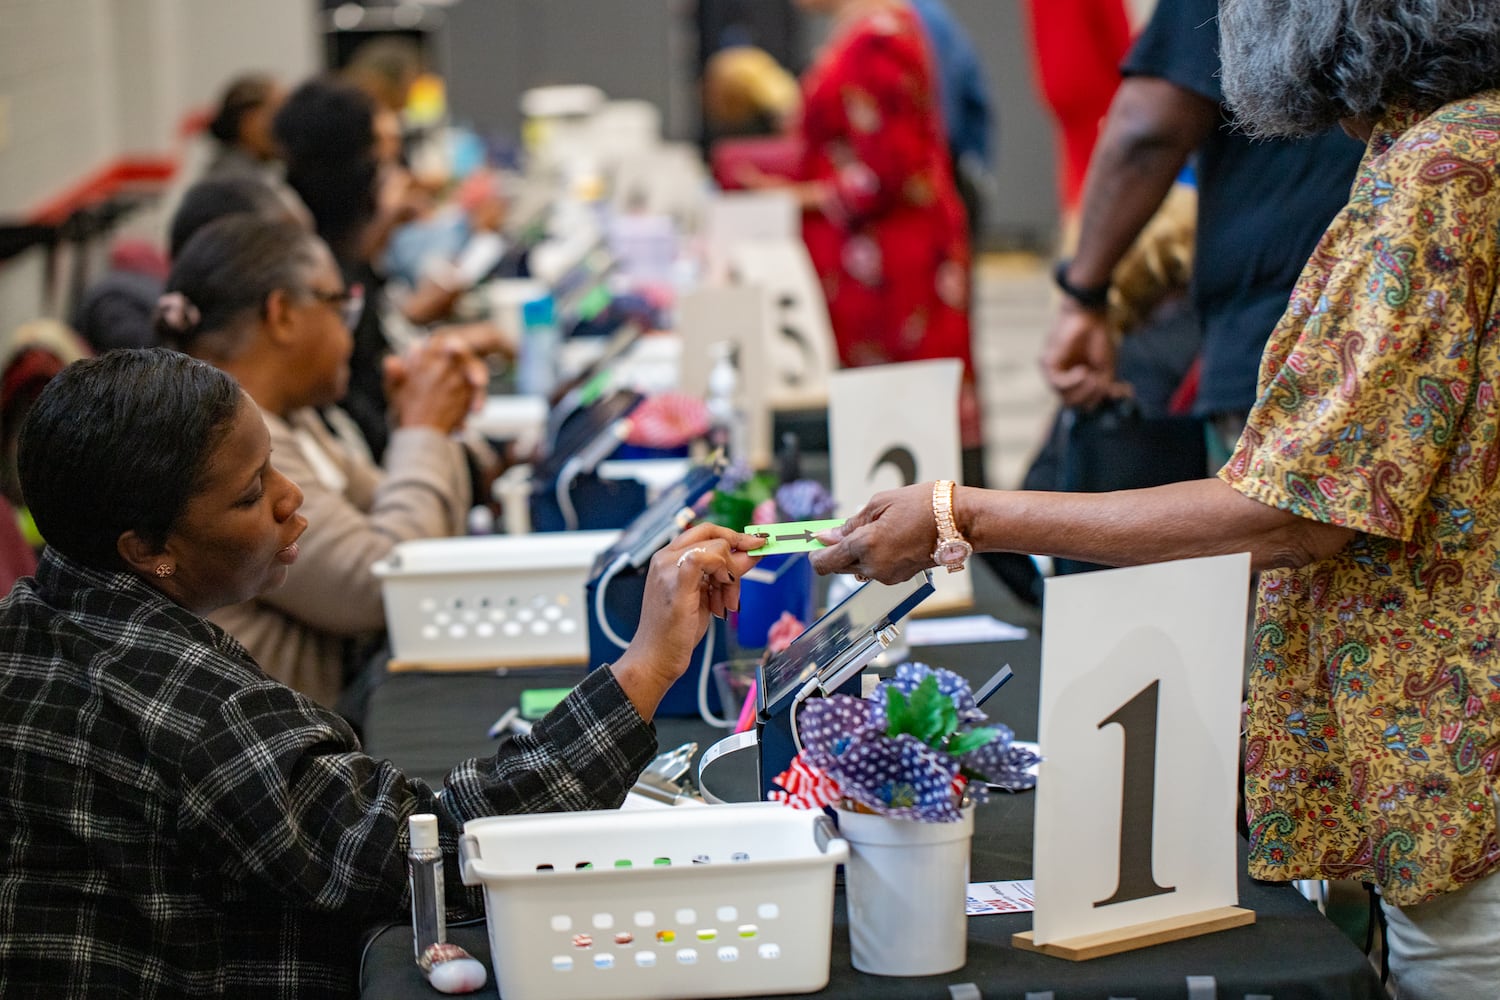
{"x": 616, "y": 589}
{"x": 594, "y": 381}
{"x": 564, "y": 493}
{"x": 832, "y": 651}
{"x": 588, "y": 435}
{"x": 833, "y": 647}
{"x": 657, "y": 524}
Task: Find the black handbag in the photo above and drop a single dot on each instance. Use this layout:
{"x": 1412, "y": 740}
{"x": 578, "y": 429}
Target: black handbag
{"x": 1115, "y": 447}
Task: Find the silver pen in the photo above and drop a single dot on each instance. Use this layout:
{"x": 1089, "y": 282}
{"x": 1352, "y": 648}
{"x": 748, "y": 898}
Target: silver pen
{"x": 510, "y": 720}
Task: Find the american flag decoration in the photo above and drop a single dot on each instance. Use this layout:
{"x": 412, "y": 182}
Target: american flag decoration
{"x": 805, "y": 787}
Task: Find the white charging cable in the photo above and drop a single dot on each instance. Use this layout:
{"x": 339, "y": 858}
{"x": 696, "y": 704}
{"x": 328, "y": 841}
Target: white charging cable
{"x": 600, "y": 613}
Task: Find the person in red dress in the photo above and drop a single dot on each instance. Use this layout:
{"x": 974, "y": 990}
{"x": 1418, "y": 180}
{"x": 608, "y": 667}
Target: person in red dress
{"x": 882, "y": 218}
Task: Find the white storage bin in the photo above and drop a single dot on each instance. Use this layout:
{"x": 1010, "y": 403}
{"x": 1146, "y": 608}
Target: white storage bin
{"x": 729, "y": 900}
{"x": 512, "y": 600}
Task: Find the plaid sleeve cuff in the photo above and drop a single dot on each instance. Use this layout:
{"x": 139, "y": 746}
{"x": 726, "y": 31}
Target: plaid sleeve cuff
{"x": 585, "y": 754}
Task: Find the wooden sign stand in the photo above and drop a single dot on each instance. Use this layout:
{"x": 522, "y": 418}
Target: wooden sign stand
{"x": 1087, "y": 946}
{"x": 468, "y": 666}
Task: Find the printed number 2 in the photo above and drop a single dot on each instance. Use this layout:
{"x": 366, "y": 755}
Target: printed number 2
{"x": 900, "y": 458}
{"x": 1137, "y": 717}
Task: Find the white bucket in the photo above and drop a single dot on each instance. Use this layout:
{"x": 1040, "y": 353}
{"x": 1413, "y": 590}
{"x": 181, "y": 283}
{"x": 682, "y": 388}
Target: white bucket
{"x": 906, "y": 883}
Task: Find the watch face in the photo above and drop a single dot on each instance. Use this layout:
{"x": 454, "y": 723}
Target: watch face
{"x": 953, "y": 552}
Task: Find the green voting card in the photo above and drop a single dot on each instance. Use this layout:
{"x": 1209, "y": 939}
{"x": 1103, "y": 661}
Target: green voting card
{"x": 793, "y": 536}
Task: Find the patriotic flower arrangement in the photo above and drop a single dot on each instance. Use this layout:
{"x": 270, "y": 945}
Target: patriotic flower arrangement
{"x": 912, "y": 750}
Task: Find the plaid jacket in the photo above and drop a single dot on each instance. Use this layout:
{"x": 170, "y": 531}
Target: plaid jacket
{"x": 176, "y": 824}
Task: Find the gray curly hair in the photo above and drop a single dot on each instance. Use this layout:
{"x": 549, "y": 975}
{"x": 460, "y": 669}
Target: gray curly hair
{"x": 1297, "y": 67}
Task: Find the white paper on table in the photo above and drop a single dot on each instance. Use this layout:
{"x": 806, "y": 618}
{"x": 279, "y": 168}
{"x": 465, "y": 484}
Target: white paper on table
{"x": 1017, "y": 896}
{"x": 964, "y": 628}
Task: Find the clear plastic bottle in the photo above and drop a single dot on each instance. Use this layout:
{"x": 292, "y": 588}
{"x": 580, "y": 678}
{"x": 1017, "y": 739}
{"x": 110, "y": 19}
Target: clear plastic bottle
{"x": 424, "y": 864}
{"x": 536, "y": 372}
{"x": 726, "y": 421}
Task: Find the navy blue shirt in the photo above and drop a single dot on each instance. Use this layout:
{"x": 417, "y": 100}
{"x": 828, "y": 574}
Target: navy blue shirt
{"x": 966, "y": 100}
{"x": 1262, "y": 205}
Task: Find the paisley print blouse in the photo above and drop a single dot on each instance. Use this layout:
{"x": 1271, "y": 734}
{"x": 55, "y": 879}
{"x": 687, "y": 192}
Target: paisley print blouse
{"x": 1374, "y": 729}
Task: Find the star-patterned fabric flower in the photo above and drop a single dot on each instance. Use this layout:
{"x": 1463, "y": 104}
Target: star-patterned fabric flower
{"x": 828, "y": 726}
{"x": 804, "y": 500}
{"x": 900, "y": 777}
{"x": 1002, "y": 763}
{"x": 907, "y": 751}
{"x": 911, "y": 674}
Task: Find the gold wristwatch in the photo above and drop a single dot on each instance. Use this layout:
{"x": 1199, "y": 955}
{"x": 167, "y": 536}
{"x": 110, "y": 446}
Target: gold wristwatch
{"x": 952, "y": 550}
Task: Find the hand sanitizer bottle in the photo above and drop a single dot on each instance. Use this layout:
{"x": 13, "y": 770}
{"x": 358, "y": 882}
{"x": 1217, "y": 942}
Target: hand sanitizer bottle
{"x": 727, "y": 422}
{"x": 449, "y": 969}
{"x": 424, "y": 863}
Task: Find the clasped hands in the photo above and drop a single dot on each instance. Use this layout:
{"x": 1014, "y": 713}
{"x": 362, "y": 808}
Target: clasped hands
{"x": 437, "y": 382}
{"x": 1078, "y": 358}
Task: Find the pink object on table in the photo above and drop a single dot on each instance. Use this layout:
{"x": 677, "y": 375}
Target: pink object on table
{"x": 786, "y": 628}
{"x": 747, "y": 710}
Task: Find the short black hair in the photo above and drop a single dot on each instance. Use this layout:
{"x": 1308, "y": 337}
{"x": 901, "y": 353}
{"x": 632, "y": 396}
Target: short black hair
{"x": 121, "y": 443}
{"x": 326, "y": 130}
{"x": 243, "y": 95}
{"x": 215, "y": 197}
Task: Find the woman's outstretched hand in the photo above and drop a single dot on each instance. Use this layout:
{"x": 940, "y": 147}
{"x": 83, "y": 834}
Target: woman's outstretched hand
{"x": 694, "y": 578}
{"x": 890, "y": 539}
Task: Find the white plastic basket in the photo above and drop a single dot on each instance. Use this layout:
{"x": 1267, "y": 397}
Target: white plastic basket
{"x": 501, "y": 599}
{"x": 730, "y": 900}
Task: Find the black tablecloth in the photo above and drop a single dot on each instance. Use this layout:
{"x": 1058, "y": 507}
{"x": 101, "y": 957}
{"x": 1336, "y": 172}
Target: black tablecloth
{"x": 427, "y": 722}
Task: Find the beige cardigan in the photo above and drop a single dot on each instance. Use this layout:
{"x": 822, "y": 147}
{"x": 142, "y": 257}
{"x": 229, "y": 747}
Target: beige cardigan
{"x": 356, "y": 513}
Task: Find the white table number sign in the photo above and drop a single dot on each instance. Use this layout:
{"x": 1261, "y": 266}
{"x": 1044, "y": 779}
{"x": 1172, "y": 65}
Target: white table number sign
{"x": 1139, "y": 730}
{"x": 709, "y": 315}
{"x": 736, "y": 216}
{"x": 798, "y": 337}
{"x": 891, "y": 426}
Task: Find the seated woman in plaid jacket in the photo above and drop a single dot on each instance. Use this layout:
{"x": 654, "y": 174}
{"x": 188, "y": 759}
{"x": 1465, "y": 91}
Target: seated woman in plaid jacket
{"x": 178, "y": 824}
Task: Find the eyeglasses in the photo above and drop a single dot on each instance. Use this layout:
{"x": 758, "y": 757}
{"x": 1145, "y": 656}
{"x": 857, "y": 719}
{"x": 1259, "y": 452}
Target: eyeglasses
{"x": 350, "y": 303}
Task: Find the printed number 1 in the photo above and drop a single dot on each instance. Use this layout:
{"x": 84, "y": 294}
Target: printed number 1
{"x": 1137, "y": 717}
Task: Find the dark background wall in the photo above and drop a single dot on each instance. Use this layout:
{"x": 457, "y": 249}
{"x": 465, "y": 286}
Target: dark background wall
{"x": 492, "y": 50}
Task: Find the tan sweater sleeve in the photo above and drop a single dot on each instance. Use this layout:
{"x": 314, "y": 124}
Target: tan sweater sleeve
{"x": 423, "y": 492}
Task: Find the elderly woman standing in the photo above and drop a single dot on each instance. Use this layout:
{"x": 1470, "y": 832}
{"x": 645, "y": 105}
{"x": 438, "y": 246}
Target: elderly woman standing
{"x": 1366, "y": 485}
{"x": 263, "y": 300}
{"x": 177, "y": 823}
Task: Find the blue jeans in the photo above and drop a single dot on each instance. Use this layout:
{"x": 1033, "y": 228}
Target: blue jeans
{"x": 1449, "y": 948}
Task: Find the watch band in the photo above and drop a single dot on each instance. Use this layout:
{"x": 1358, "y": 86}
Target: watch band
{"x": 1095, "y": 299}
{"x": 950, "y": 542}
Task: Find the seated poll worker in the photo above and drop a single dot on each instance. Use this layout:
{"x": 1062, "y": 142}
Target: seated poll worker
{"x": 263, "y": 300}
{"x": 178, "y": 824}
{"x": 1366, "y": 485}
